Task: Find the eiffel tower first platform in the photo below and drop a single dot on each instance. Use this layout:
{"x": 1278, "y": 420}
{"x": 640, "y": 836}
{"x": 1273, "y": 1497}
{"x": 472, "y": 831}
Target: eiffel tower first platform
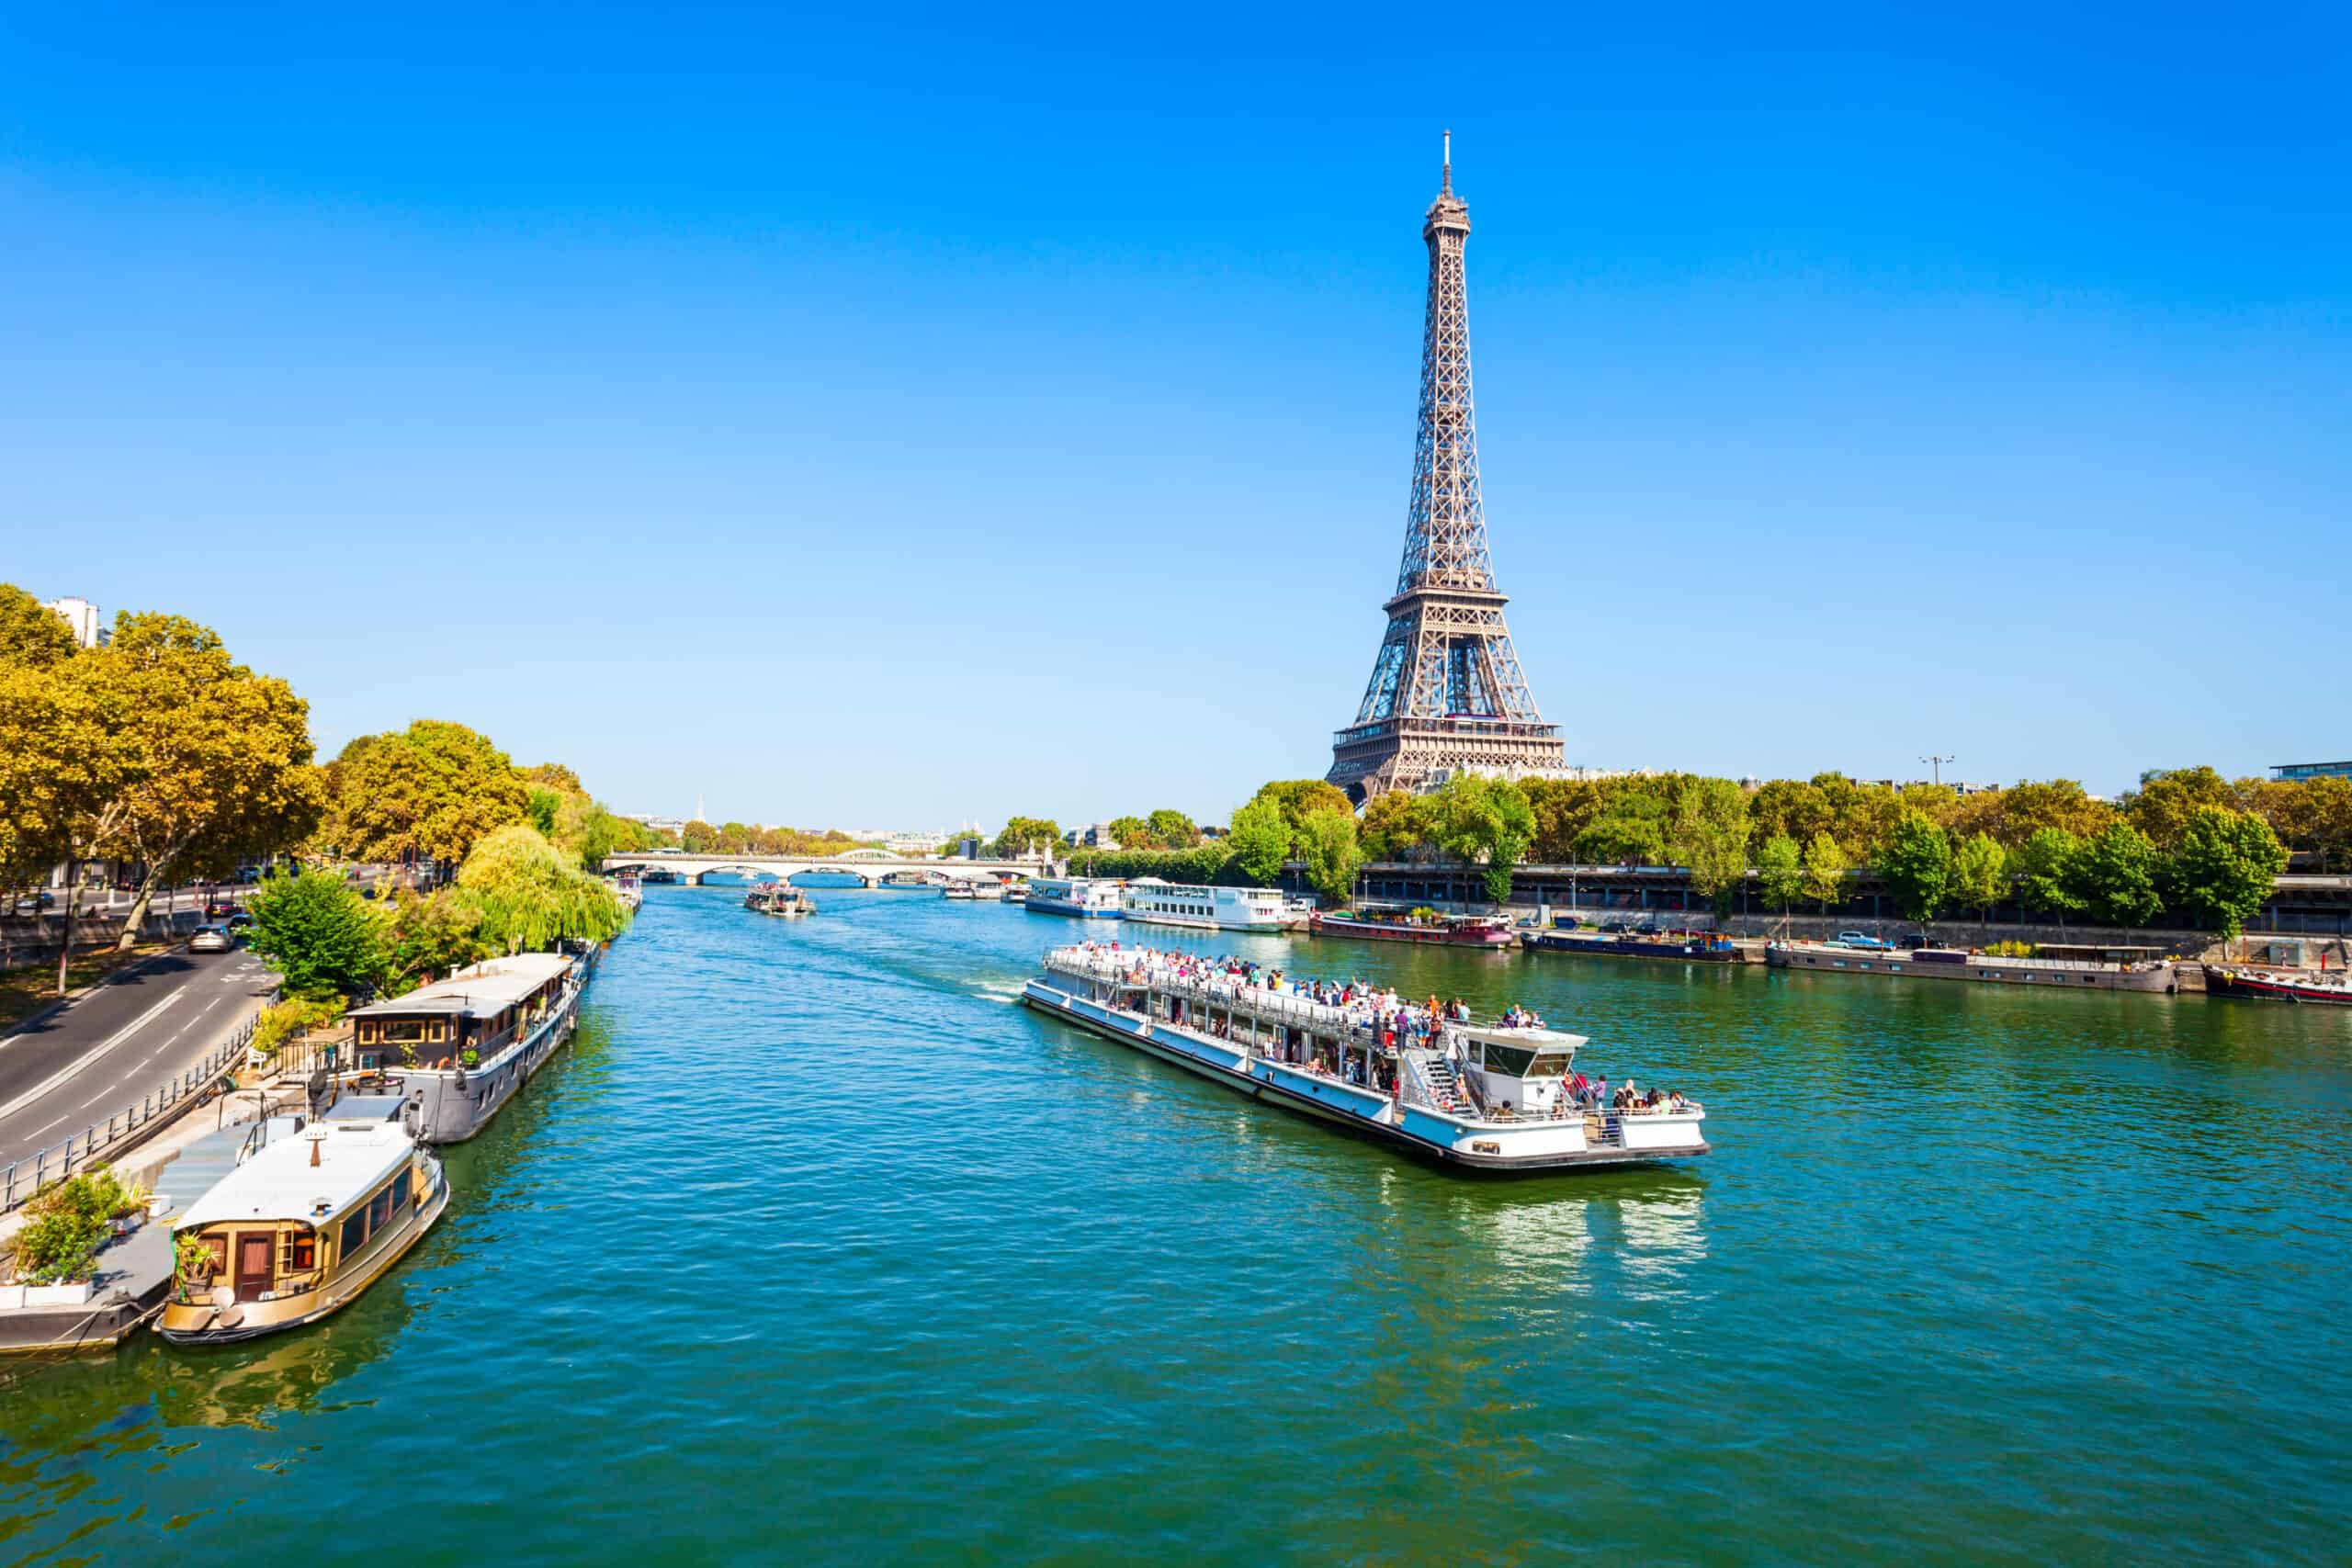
{"x": 1446, "y": 691}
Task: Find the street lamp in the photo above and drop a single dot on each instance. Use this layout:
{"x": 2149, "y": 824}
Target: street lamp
{"x": 1937, "y": 764}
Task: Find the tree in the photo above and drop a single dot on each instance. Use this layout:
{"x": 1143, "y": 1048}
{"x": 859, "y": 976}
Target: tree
{"x": 698, "y": 838}
{"x": 1134, "y": 833}
{"x": 2046, "y": 879}
{"x": 1980, "y": 873}
{"x": 2168, "y": 797}
{"x": 2115, "y": 878}
{"x": 1333, "y": 852}
{"x": 1916, "y": 865}
{"x": 1171, "y": 829}
{"x": 429, "y": 936}
{"x": 1399, "y": 825}
{"x": 1485, "y": 820}
{"x": 31, "y": 634}
{"x": 65, "y": 764}
{"x": 554, "y": 776}
{"x": 317, "y": 932}
{"x": 1260, "y": 840}
{"x": 2225, "y": 867}
{"x": 529, "y": 895}
{"x": 1562, "y": 808}
{"x": 1622, "y": 841}
{"x": 1027, "y": 834}
{"x": 1780, "y": 868}
{"x": 1824, "y": 870}
{"x": 1790, "y": 809}
{"x": 541, "y": 805}
{"x": 220, "y": 758}
{"x": 1295, "y": 797}
{"x": 1711, "y": 839}
{"x": 433, "y": 789}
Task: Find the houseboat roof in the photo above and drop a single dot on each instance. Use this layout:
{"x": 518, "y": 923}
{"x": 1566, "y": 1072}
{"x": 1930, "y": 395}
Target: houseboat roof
{"x": 281, "y": 1183}
{"x": 488, "y": 986}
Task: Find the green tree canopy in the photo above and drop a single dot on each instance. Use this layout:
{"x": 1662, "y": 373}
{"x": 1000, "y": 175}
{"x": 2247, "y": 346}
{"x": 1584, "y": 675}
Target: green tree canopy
{"x": 2046, "y": 879}
{"x": 2223, "y": 869}
{"x": 1134, "y": 833}
{"x": 2114, "y": 877}
{"x": 1027, "y": 834}
{"x": 1824, "y": 870}
{"x": 1980, "y": 873}
{"x": 1780, "y": 868}
{"x": 1399, "y": 825}
{"x": 2168, "y": 797}
{"x": 1333, "y": 852}
{"x": 1916, "y": 865}
{"x": 1484, "y": 821}
{"x": 1258, "y": 840}
{"x": 1711, "y": 839}
{"x": 1295, "y": 797}
{"x": 318, "y": 934}
{"x": 1171, "y": 829}
{"x": 529, "y": 895}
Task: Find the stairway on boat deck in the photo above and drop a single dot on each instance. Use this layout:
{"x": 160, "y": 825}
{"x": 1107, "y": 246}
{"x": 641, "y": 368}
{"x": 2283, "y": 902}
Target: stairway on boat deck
{"x": 1445, "y": 1088}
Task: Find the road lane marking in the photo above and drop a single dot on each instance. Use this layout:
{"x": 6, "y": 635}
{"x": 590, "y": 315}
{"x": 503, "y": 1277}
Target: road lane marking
{"x": 73, "y": 1070}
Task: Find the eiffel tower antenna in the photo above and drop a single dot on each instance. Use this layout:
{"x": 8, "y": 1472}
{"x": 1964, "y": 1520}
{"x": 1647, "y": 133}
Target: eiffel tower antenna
{"x": 1446, "y": 691}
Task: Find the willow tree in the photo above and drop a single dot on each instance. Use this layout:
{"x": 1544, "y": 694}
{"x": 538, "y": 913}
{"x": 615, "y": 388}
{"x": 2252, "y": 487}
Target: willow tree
{"x": 530, "y": 895}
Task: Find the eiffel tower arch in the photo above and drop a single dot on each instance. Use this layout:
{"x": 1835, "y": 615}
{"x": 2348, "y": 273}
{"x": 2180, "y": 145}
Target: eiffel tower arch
{"x": 1446, "y": 690}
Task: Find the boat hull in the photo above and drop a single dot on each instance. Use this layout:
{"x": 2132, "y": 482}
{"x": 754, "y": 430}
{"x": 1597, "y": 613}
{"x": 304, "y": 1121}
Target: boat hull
{"x": 1901, "y": 966}
{"x": 1365, "y": 1112}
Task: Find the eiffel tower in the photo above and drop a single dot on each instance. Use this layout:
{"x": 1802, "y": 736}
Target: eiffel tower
{"x": 1446, "y": 691}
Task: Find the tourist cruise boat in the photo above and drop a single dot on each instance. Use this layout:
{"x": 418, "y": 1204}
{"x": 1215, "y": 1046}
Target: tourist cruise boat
{"x": 1158, "y": 903}
{"x": 301, "y": 1226}
{"x": 460, "y": 1048}
{"x": 1090, "y": 897}
{"x": 779, "y": 898}
{"x": 1486, "y": 1099}
{"x": 1441, "y": 931}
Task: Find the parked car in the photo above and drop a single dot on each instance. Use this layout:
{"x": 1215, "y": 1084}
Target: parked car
{"x": 1615, "y": 928}
{"x": 1867, "y": 944}
{"x": 1647, "y": 928}
{"x": 35, "y": 902}
{"x": 218, "y": 908}
{"x": 238, "y": 921}
{"x": 211, "y": 939}
{"x": 1565, "y": 922}
{"x": 1914, "y": 941}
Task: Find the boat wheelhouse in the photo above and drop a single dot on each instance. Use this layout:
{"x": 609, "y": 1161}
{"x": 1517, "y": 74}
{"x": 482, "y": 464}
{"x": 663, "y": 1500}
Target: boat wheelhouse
{"x": 459, "y": 1048}
{"x": 1481, "y": 1097}
{"x": 1089, "y": 897}
{"x": 1158, "y": 903}
{"x": 780, "y": 899}
{"x": 301, "y": 1226}
{"x": 1425, "y": 927}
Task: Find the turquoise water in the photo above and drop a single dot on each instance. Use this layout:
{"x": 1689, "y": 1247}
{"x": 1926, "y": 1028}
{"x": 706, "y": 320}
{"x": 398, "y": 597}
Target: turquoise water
{"x": 814, "y": 1247}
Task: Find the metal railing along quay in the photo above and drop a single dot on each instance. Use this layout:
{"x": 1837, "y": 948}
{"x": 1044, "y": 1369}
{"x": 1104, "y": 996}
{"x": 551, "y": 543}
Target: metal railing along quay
{"x": 28, "y": 1176}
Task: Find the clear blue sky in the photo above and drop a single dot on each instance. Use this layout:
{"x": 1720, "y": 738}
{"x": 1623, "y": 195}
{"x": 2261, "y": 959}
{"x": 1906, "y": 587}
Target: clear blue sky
{"x": 890, "y": 417}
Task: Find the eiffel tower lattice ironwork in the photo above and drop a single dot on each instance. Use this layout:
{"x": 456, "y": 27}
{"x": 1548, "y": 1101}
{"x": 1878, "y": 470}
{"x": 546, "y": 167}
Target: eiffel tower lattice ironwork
{"x": 1446, "y": 690}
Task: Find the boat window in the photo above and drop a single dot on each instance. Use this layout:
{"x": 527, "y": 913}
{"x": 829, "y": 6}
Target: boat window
{"x": 402, "y": 1029}
{"x": 1550, "y": 1064}
{"x": 216, "y": 1253}
{"x": 1511, "y": 1060}
{"x": 400, "y": 1191}
{"x": 299, "y": 1252}
{"x": 379, "y": 1208}
{"x": 355, "y": 1233}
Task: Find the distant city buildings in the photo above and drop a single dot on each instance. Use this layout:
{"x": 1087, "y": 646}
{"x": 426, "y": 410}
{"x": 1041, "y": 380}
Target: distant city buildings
{"x": 2292, "y": 772}
{"x": 659, "y": 824}
{"x": 82, "y": 618}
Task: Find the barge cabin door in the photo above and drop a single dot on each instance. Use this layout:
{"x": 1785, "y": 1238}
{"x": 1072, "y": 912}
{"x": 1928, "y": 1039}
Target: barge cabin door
{"x": 254, "y": 1256}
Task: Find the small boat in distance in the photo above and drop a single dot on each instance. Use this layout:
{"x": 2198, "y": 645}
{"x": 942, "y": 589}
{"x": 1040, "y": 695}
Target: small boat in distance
{"x": 780, "y": 899}
{"x": 1016, "y": 893}
{"x": 1088, "y": 897}
{"x": 303, "y": 1224}
{"x": 1695, "y": 947}
{"x": 1423, "y": 926}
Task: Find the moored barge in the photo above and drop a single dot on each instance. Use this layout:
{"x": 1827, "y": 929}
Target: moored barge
{"x": 1435, "y": 931}
{"x": 1485, "y": 1098}
{"x": 1694, "y": 947}
{"x": 2111, "y": 969}
{"x": 302, "y": 1224}
{"x": 2256, "y": 984}
{"x": 460, "y": 1048}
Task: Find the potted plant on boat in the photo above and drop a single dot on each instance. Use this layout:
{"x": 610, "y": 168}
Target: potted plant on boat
{"x": 193, "y": 1262}
{"x": 66, "y": 1223}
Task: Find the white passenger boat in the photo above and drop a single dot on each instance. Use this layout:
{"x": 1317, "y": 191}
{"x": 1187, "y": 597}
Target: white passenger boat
{"x": 459, "y": 1048}
{"x": 1158, "y": 903}
{"x": 1479, "y": 1096}
{"x": 1089, "y": 897}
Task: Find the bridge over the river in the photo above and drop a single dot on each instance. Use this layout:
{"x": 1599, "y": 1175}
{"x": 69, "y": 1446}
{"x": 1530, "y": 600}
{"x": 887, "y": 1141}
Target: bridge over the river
{"x": 871, "y": 867}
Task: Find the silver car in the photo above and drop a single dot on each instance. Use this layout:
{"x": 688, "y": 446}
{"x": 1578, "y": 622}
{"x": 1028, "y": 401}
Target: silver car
{"x": 211, "y": 939}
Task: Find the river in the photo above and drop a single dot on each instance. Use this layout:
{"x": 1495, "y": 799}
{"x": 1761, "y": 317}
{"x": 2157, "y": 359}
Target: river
{"x": 814, "y": 1247}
